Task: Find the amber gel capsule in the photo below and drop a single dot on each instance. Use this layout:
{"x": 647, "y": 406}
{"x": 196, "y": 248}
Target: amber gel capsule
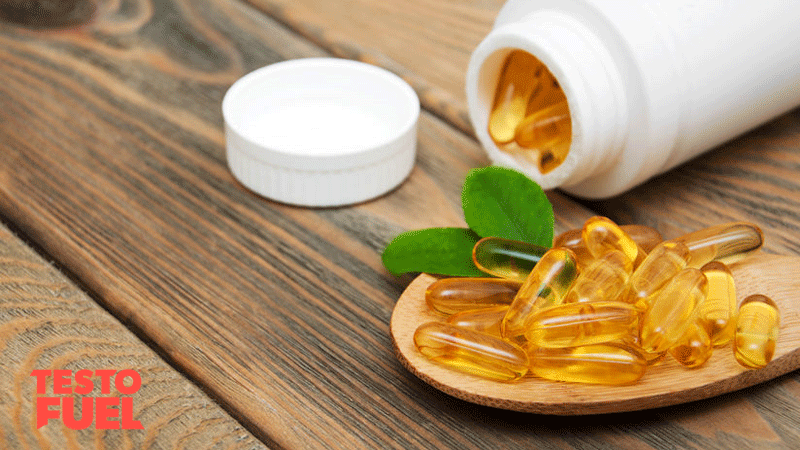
{"x": 506, "y": 258}
{"x": 728, "y": 243}
{"x": 718, "y": 313}
{"x": 693, "y": 348}
{"x": 545, "y": 286}
{"x": 573, "y": 240}
{"x": 484, "y": 320}
{"x": 451, "y": 295}
{"x": 663, "y": 262}
{"x": 756, "y": 331}
{"x": 471, "y": 352}
{"x": 606, "y": 278}
{"x": 601, "y": 235}
{"x": 673, "y": 310}
{"x": 546, "y": 127}
{"x": 645, "y": 237}
{"x": 594, "y": 364}
{"x": 574, "y": 324}
{"x": 519, "y": 79}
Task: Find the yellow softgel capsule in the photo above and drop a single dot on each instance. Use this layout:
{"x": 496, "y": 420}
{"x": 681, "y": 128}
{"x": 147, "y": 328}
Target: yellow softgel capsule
{"x": 663, "y": 263}
{"x": 601, "y": 235}
{"x": 506, "y": 258}
{"x": 718, "y": 313}
{"x": 573, "y": 240}
{"x": 574, "y": 324}
{"x": 484, "y": 320}
{"x": 693, "y": 348}
{"x": 519, "y": 80}
{"x": 606, "y": 278}
{"x": 756, "y": 331}
{"x": 673, "y": 310}
{"x": 546, "y": 127}
{"x": 646, "y": 237}
{"x": 545, "y": 286}
{"x": 471, "y": 351}
{"x": 614, "y": 364}
{"x": 451, "y": 295}
{"x": 728, "y": 242}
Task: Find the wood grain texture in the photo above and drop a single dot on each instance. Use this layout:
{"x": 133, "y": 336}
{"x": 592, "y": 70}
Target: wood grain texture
{"x": 281, "y": 313}
{"x": 668, "y": 383}
{"x": 442, "y": 35}
{"x": 47, "y": 323}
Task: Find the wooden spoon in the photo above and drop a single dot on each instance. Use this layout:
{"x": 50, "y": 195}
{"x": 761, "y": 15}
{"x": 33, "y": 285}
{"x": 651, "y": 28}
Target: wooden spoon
{"x": 665, "y": 384}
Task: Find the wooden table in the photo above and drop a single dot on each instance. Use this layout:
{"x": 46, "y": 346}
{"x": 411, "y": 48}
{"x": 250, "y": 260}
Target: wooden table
{"x": 259, "y": 324}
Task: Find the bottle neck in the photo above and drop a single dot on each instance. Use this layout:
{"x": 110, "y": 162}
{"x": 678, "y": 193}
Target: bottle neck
{"x": 585, "y": 72}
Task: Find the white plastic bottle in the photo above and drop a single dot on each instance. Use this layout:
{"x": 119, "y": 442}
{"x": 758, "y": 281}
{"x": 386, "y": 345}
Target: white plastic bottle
{"x": 649, "y": 83}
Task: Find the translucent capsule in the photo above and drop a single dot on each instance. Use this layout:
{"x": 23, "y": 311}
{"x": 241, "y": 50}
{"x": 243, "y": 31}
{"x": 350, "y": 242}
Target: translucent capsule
{"x": 484, "y": 320}
{"x": 519, "y": 79}
{"x": 756, "y": 331}
{"x": 553, "y": 155}
{"x": 574, "y": 324}
{"x": 646, "y": 237}
{"x": 451, "y": 295}
{"x": 546, "y": 127}
{"x": 601, "y": 235}
{"x": 595, "y": 364}
{"x": 545, "y": 286}
{"x": 506, "y": 258}
{"x": 663, "y": 263}
{"x": 606, "y": 278}
{"x": 728, "y": 243}
{"x": 573, "y": 240}
{"x": 471, "y": 352}
{"x": 717, "y": 314}
{"x": 693, "y": 348}
{"x": 672, "y": 310}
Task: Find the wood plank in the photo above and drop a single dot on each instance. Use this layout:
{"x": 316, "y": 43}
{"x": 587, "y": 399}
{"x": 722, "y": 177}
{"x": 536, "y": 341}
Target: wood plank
{"x": 48, "y": 323}
{"x": 282, "y": 312}
{"x": 443, "y": 34}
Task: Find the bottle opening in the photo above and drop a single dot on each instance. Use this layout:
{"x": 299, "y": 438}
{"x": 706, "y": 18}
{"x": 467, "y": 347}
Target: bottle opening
{"x": 530, "y": 116}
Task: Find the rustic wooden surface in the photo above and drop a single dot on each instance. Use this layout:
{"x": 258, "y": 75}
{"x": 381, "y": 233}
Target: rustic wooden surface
{"x": 113, "y": 163}
{"x": 48, "y": 323}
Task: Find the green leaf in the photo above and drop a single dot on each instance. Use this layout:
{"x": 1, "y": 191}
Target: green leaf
{"x": 444, "y": 251}
{"x": 505, "y": 203}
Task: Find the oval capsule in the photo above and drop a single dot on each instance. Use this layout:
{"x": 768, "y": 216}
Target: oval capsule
{"x": 673, "y": 310}
{"x": 545, "y": 286}
{"x": 729, "y": 242}
{"x": 602, "y": 235}
{"x": 506, "y": 258}
{"x": 756, "y": 331}
{"x": 484, "y": 320}
{"x": 693, "y": 348}
{"x": 451, "y": 295}
{"x": 606, "y": 278}
{"x": 520, "y": 79}
{"x": 471, "y": 352}
{"x": 663, "y": 263}
{"x": 614, "y": 364}
{"x": 574, "y": 324}
{"x": 718, "y": 313}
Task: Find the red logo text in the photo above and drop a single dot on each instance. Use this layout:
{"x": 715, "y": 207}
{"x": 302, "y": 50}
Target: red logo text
{"x": 107, "y": 412}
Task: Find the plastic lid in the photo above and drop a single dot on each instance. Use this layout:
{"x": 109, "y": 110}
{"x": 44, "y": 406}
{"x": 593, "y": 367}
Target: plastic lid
{"x": 320, "y": 131}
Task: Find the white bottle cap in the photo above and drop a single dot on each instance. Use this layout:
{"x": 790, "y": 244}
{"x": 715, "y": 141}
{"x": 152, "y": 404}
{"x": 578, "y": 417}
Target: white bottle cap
{"x": 320, "y": 131}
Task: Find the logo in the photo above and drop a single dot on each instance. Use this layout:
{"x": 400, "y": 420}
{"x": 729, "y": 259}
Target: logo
{"x": 107, "y": 413}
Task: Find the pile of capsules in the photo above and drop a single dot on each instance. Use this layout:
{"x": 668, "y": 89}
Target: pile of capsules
{"x": 600, "y": 306}
{"x": 530, "y": 114}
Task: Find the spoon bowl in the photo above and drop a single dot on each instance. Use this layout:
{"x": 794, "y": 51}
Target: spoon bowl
{"x": 668, "y": 383}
